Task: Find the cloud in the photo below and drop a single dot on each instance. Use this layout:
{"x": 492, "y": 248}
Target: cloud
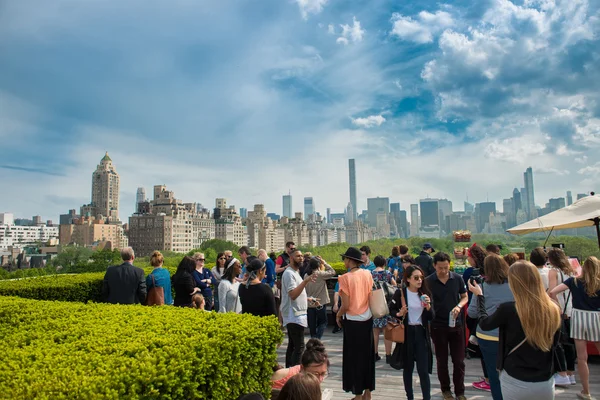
{"x": 422, "y": 29}
{"x": 590, "y": 170}
{"x": 331, "y": 29}
{"x": 352, "y": 33}
{"x": 515, "y": 149}
{"x": 581, "y": 160}
{"x": 369, "y": 122}
{"x": 311, "y": 7}
{"x": 551, "y": 171}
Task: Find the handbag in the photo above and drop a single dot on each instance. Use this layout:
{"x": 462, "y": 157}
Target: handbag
{"x": 377, "y": 303}
{"x": 394, "y": 331}
{"x": 156, "y": 294}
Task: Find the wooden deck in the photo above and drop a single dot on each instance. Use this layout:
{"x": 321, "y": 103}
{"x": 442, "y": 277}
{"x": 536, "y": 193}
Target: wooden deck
{"x": 389, "y": 381}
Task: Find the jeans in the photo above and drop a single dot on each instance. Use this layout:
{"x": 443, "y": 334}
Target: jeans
{"x": 417, "y": 350}
{"x": 453, "y": 338}
{"x": 295, "y": 346}
{"x": 317, "y": 322}
{"x": 489, "y": 351}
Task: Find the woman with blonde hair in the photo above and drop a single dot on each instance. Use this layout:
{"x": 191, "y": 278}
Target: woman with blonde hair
{"x": 559, "y": 271}
{"x": 585, "y": 318}
{"x": 528, "y": 334}
{"x": 159, "y": 277}
{"x": 203, "y": 279}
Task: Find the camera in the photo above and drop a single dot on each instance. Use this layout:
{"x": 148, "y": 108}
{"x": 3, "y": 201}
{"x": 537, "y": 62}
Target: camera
{"x": 476, "y": 276}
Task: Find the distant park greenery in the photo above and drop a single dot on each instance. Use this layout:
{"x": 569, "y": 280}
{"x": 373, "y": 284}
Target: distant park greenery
{"x": 73, "y": 260}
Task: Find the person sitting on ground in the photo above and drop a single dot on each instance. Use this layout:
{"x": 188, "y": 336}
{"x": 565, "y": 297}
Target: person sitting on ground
{"x": 314, "y": 360}
{"x": 301, "y": 387}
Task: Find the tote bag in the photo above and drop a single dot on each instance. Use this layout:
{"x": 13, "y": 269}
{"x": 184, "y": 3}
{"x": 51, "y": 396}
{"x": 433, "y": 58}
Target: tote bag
{"x": 156, "y": 295}
{"x": 378, "y": 303}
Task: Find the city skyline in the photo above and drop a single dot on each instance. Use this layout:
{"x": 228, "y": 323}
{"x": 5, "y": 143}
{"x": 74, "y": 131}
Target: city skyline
{"x": 366, "y": 80}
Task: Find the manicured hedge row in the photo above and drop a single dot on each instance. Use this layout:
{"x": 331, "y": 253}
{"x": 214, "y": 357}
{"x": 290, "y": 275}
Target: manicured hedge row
{"x": 59, "y": 350}
{"x": 63, "y": 287}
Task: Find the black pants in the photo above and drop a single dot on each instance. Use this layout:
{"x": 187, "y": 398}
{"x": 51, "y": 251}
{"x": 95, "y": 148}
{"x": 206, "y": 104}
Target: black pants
{"x": 565, "y": 355}
{"x": 295, "y": 346}
{"x": 416, "y": 350}
{"x": 450, "y": 340}
{"x": 317, "y": 322}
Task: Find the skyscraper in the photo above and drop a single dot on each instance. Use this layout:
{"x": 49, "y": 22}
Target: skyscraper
{"x": 243, "y": 212}
{"x": 569, "y": 198}
{"x": 329, "y": 221}
{"x": 528, "y": 178}
{"x": 375, "y": 206}
{"x": 482, "y": 214}
{"x": 414, "y": 220}
{"x": 105, "y": 190}
{"x": 517, "y": 205}
{"x": 352, "y": 173}
{"x": 140, "y": 197}
{"x": 395, "y": 215}
{"x": 287, "y": 205}
{"x": 469, "y": 208}
{"x": 430, "y": 212}
{"x": 309, "y": 207}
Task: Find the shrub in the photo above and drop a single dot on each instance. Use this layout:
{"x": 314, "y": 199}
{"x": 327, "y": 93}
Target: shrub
{"x": 57, "y": 350}
{"x": 63, "y": 287}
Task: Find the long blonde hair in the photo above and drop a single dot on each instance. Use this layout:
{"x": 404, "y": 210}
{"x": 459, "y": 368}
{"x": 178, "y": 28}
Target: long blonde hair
{"x": 590, "y": 275}
{"x": 539, "y": 316}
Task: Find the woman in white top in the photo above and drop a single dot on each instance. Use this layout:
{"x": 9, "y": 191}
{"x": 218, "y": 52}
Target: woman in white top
{"x": 538, "y": 257}
{"x": 217, "y": 271}
{"x": 560, "y": 270}
{"x": 228, "y": 288}
{"x": 413, "y": 305}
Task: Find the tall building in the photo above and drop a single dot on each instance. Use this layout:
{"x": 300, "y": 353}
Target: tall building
{"x": 508, "y": 209}
{"x": 309, "y": 207}
{"x": 395, "y": 218}
{"x": 105, "y": 190}
{"x": 170, "y": 225}
{"x": 404, "y": 229}
{"x": 140, "y": 197}
{"x": 287, "y": 205}
{"x": 430, "y": 212}
{"x": 528, "y": 178}
{"x": 569, "y": 198}
{"x": 469, "y": 208}
{"x": 556, "y": 204}
{"x": 516, "y": 198}
{"x": 445, "y": 210}
{"x": 581, "y": 195}
{"x": 482, "y": 215}
{"x": 243, "y": 212}
{"x": 414, "y": 220}
{"x": 328, "y": 216}
{"x": 376, "y": 206}
{"x": 352, "y": 175}
{"x": 350, "y": 214}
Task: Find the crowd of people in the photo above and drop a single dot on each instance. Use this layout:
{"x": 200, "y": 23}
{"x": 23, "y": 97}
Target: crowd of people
{"x": 529, "y": 321}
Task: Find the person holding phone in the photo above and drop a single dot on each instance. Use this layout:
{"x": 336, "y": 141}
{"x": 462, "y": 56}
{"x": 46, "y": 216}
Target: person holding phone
{"x": 317, "y": 290}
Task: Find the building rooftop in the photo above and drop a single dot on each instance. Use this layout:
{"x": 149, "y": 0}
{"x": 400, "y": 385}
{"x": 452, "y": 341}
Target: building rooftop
{"x": 106, "y": 157}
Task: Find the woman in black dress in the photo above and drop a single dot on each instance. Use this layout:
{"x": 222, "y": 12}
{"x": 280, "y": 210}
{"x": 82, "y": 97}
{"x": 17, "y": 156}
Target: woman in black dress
{"x": 183, "y": 282}
{"x": 256, "y": 297}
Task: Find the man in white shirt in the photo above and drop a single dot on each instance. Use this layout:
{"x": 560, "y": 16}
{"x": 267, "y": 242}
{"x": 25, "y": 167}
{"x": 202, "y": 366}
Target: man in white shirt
{"x": 294, "y": 306}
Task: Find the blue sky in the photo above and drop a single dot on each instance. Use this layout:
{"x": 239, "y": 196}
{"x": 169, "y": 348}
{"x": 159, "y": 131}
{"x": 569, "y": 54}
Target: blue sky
{"x": 249, "y": 99}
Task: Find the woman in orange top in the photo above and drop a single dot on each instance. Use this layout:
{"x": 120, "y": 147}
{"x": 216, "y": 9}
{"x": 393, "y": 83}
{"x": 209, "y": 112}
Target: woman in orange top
{"x": 358, "y": 359}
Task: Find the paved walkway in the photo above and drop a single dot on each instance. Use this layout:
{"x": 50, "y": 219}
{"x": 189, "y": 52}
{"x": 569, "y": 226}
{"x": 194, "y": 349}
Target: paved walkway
{"x": 389, "y": 381}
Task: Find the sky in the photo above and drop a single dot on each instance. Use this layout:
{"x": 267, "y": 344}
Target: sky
{"x": 248, "y": 100}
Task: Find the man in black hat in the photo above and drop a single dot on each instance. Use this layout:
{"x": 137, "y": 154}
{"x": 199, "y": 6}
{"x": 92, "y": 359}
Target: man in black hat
{"x": 425, "y": 261}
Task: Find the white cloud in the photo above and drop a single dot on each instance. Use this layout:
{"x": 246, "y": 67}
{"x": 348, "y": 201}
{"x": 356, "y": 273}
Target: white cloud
{"x": 423, "y": 28}
{"x": 311, "y": 7}
{"x": 591, "y": 170}
{"x": 369, "y": 122}
{"x": 515, "y": 149}
{"x": 352, "y": 33}
{"x": 551, "y": 171}
{"x": 581, "y": 160}
{"x": 331, "y": 29}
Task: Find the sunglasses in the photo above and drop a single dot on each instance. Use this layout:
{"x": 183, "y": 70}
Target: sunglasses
{"x": 200, "y": 259}
{"x": 418, "y": 278}
{"x": 293, "y": 249}
{"x": 223, "y": 258}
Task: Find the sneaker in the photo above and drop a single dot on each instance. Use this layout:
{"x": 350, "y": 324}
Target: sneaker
{"x": 483, "y": 385}
{"x": 448, "y": 395}
{"x": 377, "y": 357}
{"x": 572, "y": 380}
{"x": 479, "y": 382}
{"x": 561, "y": 380}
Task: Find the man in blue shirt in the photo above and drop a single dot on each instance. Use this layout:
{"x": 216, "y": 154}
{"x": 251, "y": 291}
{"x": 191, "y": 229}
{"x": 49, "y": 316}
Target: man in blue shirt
{"x": 367, "y": 263}
{"x": 270, "y": 264}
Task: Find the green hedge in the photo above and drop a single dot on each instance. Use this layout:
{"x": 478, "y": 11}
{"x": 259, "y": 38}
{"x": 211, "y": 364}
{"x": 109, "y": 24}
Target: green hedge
{"x": 77, "y": 287}
{"x": 58, "y": 350}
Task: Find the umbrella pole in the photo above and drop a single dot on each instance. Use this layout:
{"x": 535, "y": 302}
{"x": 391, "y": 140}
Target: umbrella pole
{"x": 597, "y": 223}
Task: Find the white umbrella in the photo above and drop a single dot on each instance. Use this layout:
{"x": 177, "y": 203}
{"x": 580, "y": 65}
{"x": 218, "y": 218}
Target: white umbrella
{"x": 584, "y": 212}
